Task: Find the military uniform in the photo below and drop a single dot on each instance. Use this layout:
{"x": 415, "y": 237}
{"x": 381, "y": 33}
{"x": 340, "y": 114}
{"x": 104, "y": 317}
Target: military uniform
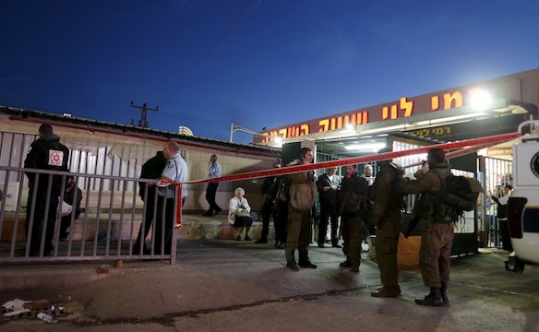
{"x": 352, "y": 209}
{"x": 387, "y": 219}
{"x": 299, "y": 221}
{"x": 436, "y": 234}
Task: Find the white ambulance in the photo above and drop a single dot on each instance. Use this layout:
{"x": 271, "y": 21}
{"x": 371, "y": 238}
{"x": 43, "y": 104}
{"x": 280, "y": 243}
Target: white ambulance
{"x": 523, "y": 204}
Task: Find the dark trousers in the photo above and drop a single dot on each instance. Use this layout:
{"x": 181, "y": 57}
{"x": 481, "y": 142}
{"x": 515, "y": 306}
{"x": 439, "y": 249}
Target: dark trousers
{"x": 281, "y": 223}
{"x": 267, "y": 212}
{"x": 328, "y": 213}
{"x": 39, "y": 220}
{"x": 211, "y": 191}
{"x": 504, "y": 233}
{"x": 149, "y": 213}
{"x": 164, "y": 224}
{"x": 299, "y": 232}
{"x": 64, "y": 225}
{"x": 352, "y": 229}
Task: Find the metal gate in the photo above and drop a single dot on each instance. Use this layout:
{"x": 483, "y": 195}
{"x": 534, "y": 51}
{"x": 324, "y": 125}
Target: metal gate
{"x": 494, "y": 174}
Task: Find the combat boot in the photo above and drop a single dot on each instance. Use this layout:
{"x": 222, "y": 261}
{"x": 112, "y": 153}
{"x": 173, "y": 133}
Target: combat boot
{"x": 434, "y": 298}
{"x": 387, "y": 291}
{"x": 346, "y": 263}
{"x": 291, "y": 264}
{"x": 304, "y": 260}
{"x": 355, "y": 267}
{"x": 444, "y": 294}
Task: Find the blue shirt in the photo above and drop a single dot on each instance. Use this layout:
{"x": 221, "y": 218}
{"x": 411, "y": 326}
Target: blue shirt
{"x": 175, "y": 169}
{"x": 214, "y": 170}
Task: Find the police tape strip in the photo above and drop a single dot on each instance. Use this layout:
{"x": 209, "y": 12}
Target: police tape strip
{"x": 464, "y": 147}
{"x": 461, "y": 152}
{"x": 493, "y": 140}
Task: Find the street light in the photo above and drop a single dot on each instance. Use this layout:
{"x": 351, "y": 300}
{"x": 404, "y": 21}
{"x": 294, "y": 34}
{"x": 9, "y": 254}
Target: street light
{"x": 236, "y": 127}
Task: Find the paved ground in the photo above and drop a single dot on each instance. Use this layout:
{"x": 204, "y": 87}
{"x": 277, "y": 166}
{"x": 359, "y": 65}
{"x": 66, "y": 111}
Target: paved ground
{"x": 241, "y": 286}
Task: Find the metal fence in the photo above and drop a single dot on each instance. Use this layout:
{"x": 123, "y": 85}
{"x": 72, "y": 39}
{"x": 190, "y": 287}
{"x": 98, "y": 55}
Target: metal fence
{"x": 107, "y": 228}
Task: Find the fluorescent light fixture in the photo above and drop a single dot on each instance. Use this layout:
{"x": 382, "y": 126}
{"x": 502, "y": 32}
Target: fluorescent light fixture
{"x": 349, "y": 126}
{"x": 374, "y": 147}
{"x": 278, "y": 139}
{"x": 456, "y": 117}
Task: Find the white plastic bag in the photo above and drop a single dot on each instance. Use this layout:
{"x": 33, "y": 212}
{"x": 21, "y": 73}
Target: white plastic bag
{"x": 64, "y": 209}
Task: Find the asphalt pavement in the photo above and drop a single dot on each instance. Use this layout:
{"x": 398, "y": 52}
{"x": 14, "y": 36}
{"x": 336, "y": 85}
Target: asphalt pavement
{"x": 242, "y": 286}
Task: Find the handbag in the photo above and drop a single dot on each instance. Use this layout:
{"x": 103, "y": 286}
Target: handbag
{"x": 240, "y": 212}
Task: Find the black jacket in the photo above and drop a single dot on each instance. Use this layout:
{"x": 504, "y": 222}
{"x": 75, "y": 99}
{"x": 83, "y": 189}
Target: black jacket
{"x": 151, "y": 169}
{"x": 47, "y": 153}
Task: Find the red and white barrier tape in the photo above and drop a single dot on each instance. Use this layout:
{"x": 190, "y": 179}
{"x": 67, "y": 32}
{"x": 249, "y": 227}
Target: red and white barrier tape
{"x": 466, "y": 146}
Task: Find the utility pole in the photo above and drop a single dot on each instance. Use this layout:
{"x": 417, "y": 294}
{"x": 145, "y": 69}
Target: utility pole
{"x": 143, "y": 122}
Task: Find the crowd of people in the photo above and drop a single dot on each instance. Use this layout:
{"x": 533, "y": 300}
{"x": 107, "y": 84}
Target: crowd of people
{"x": 347, "y": 203}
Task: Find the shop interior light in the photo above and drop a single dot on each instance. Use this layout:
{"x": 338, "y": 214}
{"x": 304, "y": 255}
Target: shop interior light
{"x": 367, "y": 147}
{"x": 384, "y": 129}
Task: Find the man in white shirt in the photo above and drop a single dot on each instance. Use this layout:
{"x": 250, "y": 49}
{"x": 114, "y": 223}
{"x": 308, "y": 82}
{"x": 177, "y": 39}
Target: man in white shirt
{"x": 214, "y": 171}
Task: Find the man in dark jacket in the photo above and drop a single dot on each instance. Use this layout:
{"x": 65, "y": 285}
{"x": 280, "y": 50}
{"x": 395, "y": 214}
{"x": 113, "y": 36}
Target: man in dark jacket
{"x": 151, "y": 169}
{"x": 46, "y": 153}
{"x": 328, "y": 185}
{"x": 72, "y": 197}
{"x": 352, "y": 209}
{"x": 269, "y": 191}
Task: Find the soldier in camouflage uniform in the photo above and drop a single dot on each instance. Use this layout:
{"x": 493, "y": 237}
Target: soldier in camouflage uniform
{"x": 436, "y": 228}
{"x": 387, "y": 219}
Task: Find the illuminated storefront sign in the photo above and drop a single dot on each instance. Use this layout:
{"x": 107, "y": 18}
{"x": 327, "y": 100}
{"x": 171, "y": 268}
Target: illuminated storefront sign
{"x": 512, "y": 87}
{"x": 403, "y": 108}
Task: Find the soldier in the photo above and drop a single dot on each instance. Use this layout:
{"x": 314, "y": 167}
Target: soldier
{"x": 387, "y": 219}
{"x": 352, "y": 208}
{"x": 302, "y": 196}
{"x": 436, "y": 228}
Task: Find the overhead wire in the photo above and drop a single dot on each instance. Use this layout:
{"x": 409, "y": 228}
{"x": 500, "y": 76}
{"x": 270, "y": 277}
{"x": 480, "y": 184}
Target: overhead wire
{"x": 197, "y": 41}
{"x": 168, "y": 50}
{"x": 210, "y": 52}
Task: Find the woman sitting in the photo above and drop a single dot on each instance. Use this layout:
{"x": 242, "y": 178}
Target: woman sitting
{"x": 239, "y": 213}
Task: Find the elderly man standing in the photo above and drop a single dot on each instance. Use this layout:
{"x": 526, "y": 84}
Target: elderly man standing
{"x": 328, "y": 185}
{"x": 175, "y": 170}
